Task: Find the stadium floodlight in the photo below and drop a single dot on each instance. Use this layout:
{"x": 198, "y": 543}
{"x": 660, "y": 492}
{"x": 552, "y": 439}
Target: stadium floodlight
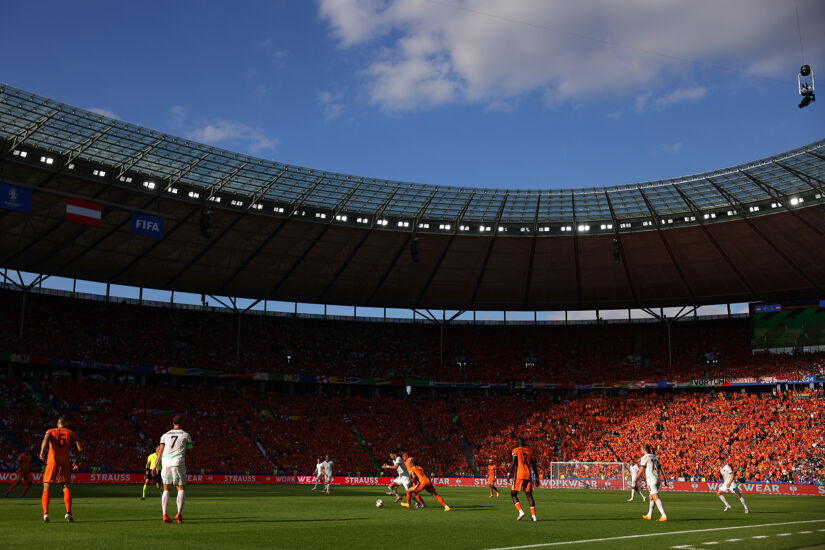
{"x": 796, "y": 200}
{"x": 46, "y": 160}
{"x": 99, "y": 173}
{"x": 195, "y": 195}
{"x": 19, "y": 153}
{"x": 149, "y": 184}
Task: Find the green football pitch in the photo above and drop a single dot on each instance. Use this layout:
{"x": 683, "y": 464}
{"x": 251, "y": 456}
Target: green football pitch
{"x": 222, "y": 516}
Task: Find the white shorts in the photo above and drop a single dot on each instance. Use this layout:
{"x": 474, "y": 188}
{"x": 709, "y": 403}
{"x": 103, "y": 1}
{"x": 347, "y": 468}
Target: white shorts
{"x": 403, "y": 481}
{"x": 652, "y": 485}
{"x": 173, "y": 475}
{"x": 734, "y": 488}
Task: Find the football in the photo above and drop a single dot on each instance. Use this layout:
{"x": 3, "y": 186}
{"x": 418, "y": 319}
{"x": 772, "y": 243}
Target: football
{"x": 379, "y": 503}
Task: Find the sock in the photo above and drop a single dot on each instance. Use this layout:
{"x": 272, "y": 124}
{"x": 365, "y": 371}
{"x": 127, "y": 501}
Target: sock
{"x": 13, "y": 485}
{"x": 660, "y": 507}
{"x": 741, "y": 499}
{"x": 440, "y": 500}
{"x": 67, "y": 499}
{"x": 518, "y": 507}
{"x": 491, "y": 492}
{"x": 144, "y": 491}
{"x": 632, "y": 494}
{"x": 533, "y": 511}
{"x": 723, "y": 499}
{"x": 181, "y": 498}
{"x": 409, "y": 494}
{"x": 45, "y": 501}
{"x": 650, "y": 507}
{"x": 419, "y": 499}
{"x": 26, "y": 490}
{"x": 164, "y": 501}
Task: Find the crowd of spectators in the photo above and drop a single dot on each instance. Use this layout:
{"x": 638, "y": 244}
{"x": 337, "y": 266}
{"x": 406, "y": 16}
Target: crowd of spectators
{"x": 122, "y": 333}
{"x": 771, "y": 436}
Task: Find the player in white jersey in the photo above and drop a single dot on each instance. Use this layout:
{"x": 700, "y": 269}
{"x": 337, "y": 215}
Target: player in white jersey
{"x": 327, "y": 464}
{"x": 319, "y": 473}
{"x": 403, "y": 478}
{"x": 654, "y": 476}
{"x": 729, "y": 485}
{"x": 634, "y": 485}
{"x": 172, "y": 451}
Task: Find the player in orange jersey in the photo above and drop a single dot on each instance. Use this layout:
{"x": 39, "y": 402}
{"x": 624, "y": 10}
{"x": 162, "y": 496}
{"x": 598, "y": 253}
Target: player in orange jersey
{"x": 421, "y": 483}
{"x": 491, "y": 478}
{"x": 24, "y": 468}
{"x": 525, "y": 472}
{"x": 59, "y": 442}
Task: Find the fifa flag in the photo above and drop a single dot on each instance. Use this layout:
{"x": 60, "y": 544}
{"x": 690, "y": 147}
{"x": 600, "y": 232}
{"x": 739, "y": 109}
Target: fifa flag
{"x": 147, "y": 226}
{"x": 85, "y": 212}
{"x": 18, "y": 199}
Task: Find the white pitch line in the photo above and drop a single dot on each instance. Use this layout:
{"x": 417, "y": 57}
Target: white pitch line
{"x": 732, "y": 540}
{"x": 645, "y": 535}
{"x": 760, "y": 537}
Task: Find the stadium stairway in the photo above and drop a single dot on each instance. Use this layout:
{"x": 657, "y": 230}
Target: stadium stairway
{"x": 41, "y": 396}
{"x": 465, "y": 445}
{"x": 367, "y": 449}
{"x": 258, "y": 444}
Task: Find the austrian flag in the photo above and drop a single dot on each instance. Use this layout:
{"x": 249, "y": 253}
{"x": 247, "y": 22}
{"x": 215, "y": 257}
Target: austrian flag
{"x": 84, "y": 212}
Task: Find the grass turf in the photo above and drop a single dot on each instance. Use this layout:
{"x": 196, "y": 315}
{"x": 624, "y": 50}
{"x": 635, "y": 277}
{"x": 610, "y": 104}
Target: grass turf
{"x": 224, "y": 516}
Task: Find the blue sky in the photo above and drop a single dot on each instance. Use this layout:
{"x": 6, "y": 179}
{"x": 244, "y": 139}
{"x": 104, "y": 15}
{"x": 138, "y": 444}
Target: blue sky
{"x": 528, "y": 93}
{"x": 516, "y": 94}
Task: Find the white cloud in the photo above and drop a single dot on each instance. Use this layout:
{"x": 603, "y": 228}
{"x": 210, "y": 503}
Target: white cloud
{"x": 177, "y": 116}
{"x": 671, "y": 148}
{"x": 427, "y": 53}
{"x": 331, "y": 105}
{"x": 682, "y": 95}
{"x": 227, "y": 130}
{"x": 104, "y": 112}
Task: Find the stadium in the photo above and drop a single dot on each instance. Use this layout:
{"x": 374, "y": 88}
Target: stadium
{"x": 291, "y": 315}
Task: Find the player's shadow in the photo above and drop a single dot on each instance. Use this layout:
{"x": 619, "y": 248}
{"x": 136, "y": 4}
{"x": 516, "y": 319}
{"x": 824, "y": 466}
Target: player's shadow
{"x": 254, "y": 520}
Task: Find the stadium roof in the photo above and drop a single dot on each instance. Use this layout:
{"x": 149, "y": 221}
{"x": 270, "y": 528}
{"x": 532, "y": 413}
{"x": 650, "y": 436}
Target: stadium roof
{"x": 54, "y": 126}
{"x": 749, "y": 232}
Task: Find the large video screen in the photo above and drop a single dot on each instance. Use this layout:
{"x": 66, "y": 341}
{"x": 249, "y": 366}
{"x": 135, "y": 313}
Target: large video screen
{"x": 788, "y": 324}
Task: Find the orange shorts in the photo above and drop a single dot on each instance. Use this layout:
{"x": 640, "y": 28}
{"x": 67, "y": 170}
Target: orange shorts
{"x": 428, "y": 487}
{"x": 491, "y": 481}
{"x": 525, "y": 485}
{"x": 24, "y": 476}
{"x": 57, "y": 473}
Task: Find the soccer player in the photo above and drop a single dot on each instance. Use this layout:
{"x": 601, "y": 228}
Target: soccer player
{"x": 327, "y": 464}
{"x": 729, "y": 485}
{"x": 24, "y": 468}
{"x": 525, "y": 471}
{"x": 403, "y": 478}
{"x": 634, "y": 485}
{"x": 173, "y": 448}
{"x": 149, "y": 476}
{"x": 59, "y": 442}
{"x": 491, "y": 478}
{"x": 319, "y": 472}
{"x": 422, "y": 483}
{"x": 654, "y": 474}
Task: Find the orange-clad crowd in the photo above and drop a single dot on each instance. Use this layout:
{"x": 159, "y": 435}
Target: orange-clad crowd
{"x": 776, "y": 436}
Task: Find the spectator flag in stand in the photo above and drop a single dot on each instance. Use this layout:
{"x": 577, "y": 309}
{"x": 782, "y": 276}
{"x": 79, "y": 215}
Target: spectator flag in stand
{"x": 85, "y": 212}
